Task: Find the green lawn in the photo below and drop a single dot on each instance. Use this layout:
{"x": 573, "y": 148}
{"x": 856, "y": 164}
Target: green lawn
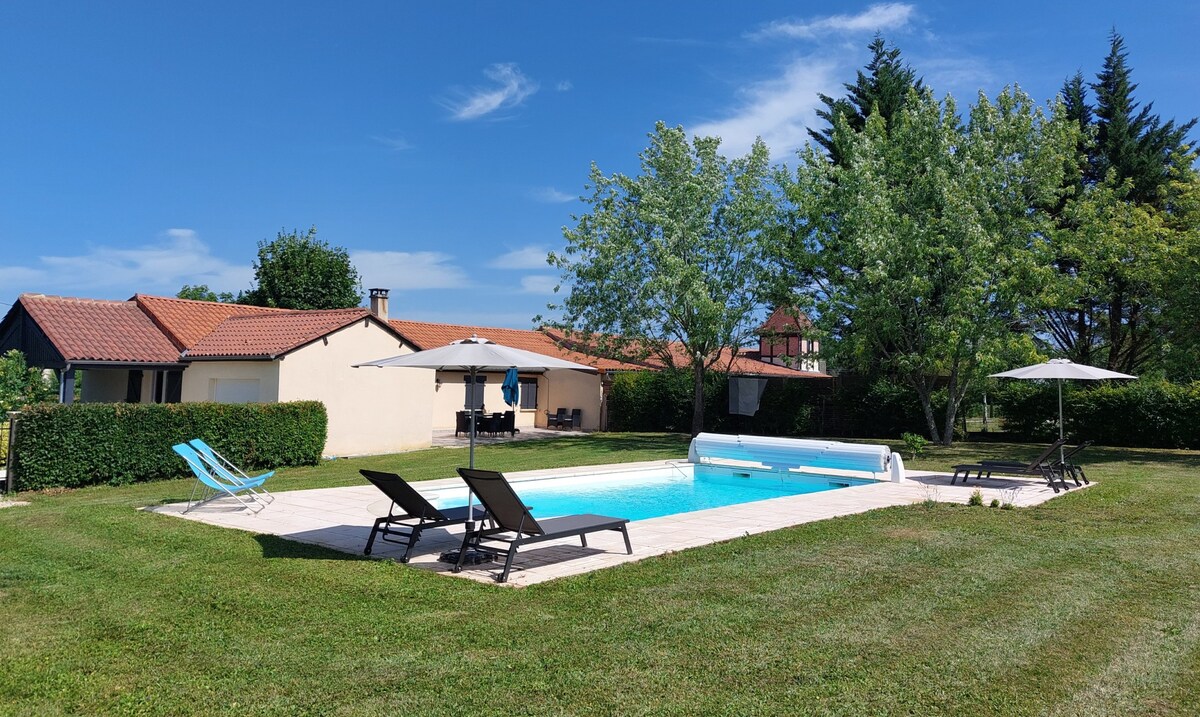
{"x": 1087, "y": 605}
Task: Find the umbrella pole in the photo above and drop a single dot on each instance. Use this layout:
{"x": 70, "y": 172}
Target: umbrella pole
{"x": 1061, "y": 454}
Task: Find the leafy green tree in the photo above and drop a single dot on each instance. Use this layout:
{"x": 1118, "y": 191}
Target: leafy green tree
{"x": 921, "y": 252}
{"x": 671, "y": 263}
{"x": 882, "y": 89}
{"x": 23, "y": 385}
{"x": 298, "y": 271}
{"x": 1117, "y": 232}
{"x": 201, "y": 292}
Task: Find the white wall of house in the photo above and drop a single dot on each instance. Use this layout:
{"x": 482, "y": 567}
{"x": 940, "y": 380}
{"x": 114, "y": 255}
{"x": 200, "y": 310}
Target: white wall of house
{"x": 371, "y": 410}
{"x": 229, "y": 382}
{"x": 564, "y": 388}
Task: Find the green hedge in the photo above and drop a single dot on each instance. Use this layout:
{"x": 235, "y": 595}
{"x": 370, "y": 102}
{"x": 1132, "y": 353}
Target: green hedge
{"x": 1149, "y": 414}
{"x": 115, "y": 443}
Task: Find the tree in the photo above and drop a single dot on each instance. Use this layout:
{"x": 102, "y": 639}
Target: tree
{"x": 921, "y": 252}
{"x": 298, "y": 271}
{"x": 22, "y": 385}
{"x": 201, "y": 292}
{"x": 1115, "y": 236}
{"x": 882, "y": 90}
{"x": 671, "y": 264}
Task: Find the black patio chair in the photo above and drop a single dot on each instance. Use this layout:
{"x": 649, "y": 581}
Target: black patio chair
{"x": 414, "y": 507}
{"x": 576, "y": 421}
{"x": 559, "y": 419}
{"x": 516, "y": 526}
{"x": 508, "y": 423}
{"x": 462, "y": 423}
{"x": 1040, "y": 466}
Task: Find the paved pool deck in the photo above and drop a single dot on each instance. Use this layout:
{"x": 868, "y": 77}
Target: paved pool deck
{"x": 341, "y": 519}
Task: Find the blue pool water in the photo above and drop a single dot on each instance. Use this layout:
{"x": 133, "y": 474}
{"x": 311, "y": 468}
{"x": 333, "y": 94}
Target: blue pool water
{"x": 655, "y": 492}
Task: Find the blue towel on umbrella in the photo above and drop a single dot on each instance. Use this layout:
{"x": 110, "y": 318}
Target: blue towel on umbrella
{"x": 511, "y": 388}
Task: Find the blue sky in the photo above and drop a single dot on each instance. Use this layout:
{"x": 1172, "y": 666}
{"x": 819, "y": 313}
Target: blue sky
{"x": 145, "y": 145}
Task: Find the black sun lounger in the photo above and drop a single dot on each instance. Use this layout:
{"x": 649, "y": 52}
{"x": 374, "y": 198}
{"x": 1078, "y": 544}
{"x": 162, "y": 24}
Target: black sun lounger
{"x": 1039, "y": 466}
{"x": 513, "y": 523}
{"x": 412, "y": 506}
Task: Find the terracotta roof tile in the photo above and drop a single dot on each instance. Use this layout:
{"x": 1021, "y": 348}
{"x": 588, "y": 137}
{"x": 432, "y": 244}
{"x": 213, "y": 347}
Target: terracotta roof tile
{"x": 429, "y": 336}
{"x": 185, "y": 322}
{"x": 786, "y": 320}
{"x": 99, "y": 330}
{"x": 271, "y": 334}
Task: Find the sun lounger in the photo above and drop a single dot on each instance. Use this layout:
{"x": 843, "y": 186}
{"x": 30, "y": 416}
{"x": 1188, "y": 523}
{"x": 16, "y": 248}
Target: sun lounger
{"x": 1040, "y": 466}
{"x": 514, "y": 525}
{"x": 216, "y": 485}
{"x": 408, "y": 505}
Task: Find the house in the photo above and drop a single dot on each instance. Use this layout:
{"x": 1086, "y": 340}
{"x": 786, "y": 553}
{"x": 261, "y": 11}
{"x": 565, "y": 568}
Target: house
{"x": 785, "y": 339}
{"x": 153, "y": 349}
{"x": 165, "y": 350}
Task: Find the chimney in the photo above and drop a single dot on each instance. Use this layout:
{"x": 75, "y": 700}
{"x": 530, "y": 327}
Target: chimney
{"x": 379, "y": 302}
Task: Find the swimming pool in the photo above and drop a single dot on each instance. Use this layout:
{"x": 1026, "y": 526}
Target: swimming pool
{"x": 657, "y": 491}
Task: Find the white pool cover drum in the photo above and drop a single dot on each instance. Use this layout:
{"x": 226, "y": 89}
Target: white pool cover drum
{"x": 785, "y": 453}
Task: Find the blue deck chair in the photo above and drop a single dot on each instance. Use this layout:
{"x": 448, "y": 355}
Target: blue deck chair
{"x": 215, "y": 485}
{"x": 225, "y": 468}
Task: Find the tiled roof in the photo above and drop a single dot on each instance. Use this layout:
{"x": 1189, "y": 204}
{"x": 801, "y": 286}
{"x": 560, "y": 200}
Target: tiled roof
{"x": 99, "y": 330}
{"x": 271, "y": 335}
{"x": 785, "y": 320}
{"x": 548, "y": 342}
{"x": 430, "y": 336}
{"x": 185, "y": 322}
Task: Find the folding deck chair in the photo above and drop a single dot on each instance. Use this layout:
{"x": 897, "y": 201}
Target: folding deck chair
{"x": 412, "y": 505}
{"x": 217, "y": 486}
{"x": 1039, "y": 466}
{"x": 515, "y": 525}
{"x": 225, "y": 468}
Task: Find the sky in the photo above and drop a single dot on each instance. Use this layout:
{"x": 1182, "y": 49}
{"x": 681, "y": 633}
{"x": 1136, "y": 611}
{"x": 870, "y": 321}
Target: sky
{"x": 148, "y": 145}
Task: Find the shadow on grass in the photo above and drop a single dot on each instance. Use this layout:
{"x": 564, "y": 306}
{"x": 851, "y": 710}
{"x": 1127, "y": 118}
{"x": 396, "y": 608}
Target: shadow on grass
{"x": 274, "y": 546}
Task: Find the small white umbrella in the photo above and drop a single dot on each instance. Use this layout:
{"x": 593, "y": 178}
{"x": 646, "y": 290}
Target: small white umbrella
{"x": 1059, "y": 369}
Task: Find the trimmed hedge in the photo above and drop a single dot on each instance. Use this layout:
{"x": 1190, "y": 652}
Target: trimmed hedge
{"x": 1144, "y": 414}
{"x": 116, "y": 443}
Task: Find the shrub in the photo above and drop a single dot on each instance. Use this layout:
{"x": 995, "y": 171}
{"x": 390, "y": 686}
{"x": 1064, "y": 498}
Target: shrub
{"x": 93, "y": 443}
{"x": 976, "y": 498}
{"x": 995, "y": 503}
{"x": 914, "y": 443}
{"x": 1151, "y": 414}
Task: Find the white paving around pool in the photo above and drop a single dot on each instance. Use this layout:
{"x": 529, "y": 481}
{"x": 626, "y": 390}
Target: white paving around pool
{"x": 341, "y": 519}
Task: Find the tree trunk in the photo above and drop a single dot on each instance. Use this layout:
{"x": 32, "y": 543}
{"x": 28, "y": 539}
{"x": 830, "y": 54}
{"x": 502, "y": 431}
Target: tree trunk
{"x": 927, "y": 406}
{"x": 697, "y": 398}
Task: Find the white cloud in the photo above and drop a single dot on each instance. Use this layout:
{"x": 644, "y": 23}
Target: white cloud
{"x": 529, "y": 257}
{"x": 550, "y": 195}
{"x": 510, "y": 90}
{"x": 162, "y": 267}
{"x": 883, "y": 16}
{"x": 564, "y": 86}
{"x": 396, "y": 144}
{"x": 403, "y": 270}
{"x": 779, "y": 109}
{"x": 538, "y": 284}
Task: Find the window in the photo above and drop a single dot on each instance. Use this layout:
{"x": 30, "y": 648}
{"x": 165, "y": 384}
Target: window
{"x": 233, "y": 390}
{"x": 474, "y": 399}
{"x": 529, "y": 393}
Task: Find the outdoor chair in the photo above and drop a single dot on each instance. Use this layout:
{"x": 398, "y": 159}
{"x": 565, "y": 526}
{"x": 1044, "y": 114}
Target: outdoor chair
{"x": 216, "y": 486}
{"x": 559, "y": 419}
{"x": 1040, "y": 466}
{"x": 408, "y": 505}
{"x": 576, "y": 420}
{"x": 225, "y": 468}
{"x": 462, "y": 423}
{"x": 513, "y": 524}
{"x": 508, "y": 423}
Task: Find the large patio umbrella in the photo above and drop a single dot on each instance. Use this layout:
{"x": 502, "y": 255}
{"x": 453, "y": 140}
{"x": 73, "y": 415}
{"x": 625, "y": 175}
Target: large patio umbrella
{"x": 474, "y": 355}
{"x": 511, "y": 388}
{"x": 1059, "y": 369}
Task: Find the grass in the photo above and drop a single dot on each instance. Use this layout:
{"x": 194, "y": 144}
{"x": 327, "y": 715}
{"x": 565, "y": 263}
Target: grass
{"x": 1086, "y": 605}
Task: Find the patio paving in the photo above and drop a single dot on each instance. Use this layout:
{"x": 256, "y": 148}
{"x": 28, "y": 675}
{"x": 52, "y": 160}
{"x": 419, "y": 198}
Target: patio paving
{"x": 341, "y": 519}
